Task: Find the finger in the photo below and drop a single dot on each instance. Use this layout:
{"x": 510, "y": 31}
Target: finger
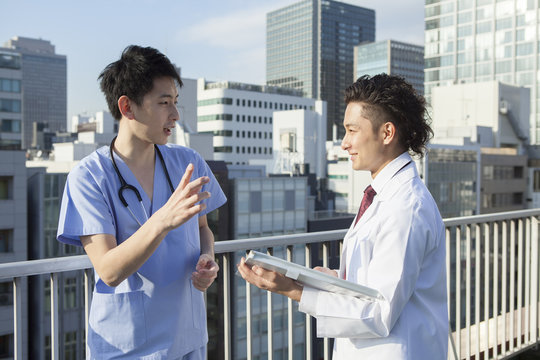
{"x": 186, "y": 177}
{"x": 195, "y": 186}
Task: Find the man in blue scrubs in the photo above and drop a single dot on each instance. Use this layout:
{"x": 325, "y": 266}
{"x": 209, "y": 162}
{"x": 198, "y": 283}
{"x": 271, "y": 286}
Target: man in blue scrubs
{"x": 138, "y": 207}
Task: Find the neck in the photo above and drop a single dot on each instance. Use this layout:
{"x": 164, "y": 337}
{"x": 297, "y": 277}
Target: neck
{"x": 133, "y": 150}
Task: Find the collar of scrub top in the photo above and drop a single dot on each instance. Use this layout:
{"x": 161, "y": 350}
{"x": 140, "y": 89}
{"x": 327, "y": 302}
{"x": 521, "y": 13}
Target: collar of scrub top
{"x": 125, "y": 186}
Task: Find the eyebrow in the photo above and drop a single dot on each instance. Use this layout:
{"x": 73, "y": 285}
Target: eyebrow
{"x": 167, "y": 96}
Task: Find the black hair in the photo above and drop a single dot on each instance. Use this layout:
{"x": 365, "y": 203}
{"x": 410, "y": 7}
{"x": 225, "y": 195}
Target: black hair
{"x": 133, "y": 75}
{"x": 389, "y": 98}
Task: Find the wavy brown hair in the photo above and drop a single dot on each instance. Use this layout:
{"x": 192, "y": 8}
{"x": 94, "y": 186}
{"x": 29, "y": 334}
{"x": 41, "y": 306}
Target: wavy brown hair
{"x": 389, "y": 98}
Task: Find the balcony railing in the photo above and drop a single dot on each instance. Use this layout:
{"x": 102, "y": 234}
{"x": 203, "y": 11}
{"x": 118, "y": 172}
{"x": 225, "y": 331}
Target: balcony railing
{"x": 493, "y": 277}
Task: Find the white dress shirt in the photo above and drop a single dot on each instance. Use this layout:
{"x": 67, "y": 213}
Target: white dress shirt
{"x": 398, "y": 248}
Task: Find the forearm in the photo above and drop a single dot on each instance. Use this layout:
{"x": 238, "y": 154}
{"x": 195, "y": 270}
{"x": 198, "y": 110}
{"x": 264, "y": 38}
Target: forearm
{"x": 115, "y": 263}
{"x": 206, "y": 240}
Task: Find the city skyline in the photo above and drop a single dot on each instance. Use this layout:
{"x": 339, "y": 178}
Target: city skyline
{"x": 228, "y": 39}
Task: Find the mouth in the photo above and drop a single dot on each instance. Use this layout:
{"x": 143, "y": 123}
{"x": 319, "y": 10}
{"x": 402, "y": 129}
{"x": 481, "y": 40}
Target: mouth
{"x": 167, "y": 131}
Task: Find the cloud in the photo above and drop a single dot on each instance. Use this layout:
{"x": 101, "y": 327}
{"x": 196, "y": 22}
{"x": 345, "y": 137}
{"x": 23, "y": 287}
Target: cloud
{"x": 233, "y": 31}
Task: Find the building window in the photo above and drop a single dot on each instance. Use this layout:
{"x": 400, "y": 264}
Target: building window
{"x": 6, "y": 293}
{"x": 243, "y": 102}
{"x": 237, "y": 118}
{"x": 6, "y": 346}
{"x": 255, "y": 201}
{"x": 237, "y": 102}
{"x": 238, "y": 149}
{"x": 243, "y": 118}
{"x": 10, "y": 85}
{"x": 536, "y": 181}
{"x": 249, "y": 118}
{"x": 249, "y": 103}
{"x": 243, "y": 149}
{"x": 6, "y": 187}
{"x": 6, "y": 240}
{"x": 70, "y": 345}
{"x": 226, "y": 133}
{"x": 249, "y": 134}
{"x": 70, "y": 293}
{"x": 289, "y": 200}
{"x": 10, "y": 61}
{"x": 243, "y": 134}
{"x": 227, "y": 117}
{"x": 10, "y": 126}
{"x": 225, "y": 101}
{"x": 223, "y": 149}
{"x": 10, "y": 105}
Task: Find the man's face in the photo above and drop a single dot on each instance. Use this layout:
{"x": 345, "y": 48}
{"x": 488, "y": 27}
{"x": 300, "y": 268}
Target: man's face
{"x": 157, "y": 115}
{"x": 361, "y": 141}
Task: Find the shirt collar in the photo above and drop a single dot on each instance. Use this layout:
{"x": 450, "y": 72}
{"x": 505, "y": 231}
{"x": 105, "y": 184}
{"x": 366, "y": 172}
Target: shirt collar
{"x": 389, "y": 171}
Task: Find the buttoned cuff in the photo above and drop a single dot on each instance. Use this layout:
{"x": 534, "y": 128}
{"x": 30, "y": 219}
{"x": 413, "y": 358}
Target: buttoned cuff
{"x": 308, "y": 301}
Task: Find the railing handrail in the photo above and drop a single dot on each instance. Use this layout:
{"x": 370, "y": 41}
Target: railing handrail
{"x": 81, "y": 262}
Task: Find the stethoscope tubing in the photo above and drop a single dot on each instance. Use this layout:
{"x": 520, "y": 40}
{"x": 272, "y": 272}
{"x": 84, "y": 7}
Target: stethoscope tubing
{"x": 125, "y": 186}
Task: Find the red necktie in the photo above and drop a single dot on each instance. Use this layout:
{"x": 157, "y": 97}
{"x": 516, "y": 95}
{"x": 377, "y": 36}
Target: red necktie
{"x": 369, "y": 194}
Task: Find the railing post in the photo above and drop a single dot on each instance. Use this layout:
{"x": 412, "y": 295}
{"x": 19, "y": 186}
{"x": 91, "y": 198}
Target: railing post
{"x": 270, "y": 319}
{"x": 55, "y": 341}
{"x": 512, "y": 283}
{"x": 87, "y": 300}
{"x": 486, "y": 284}
{"x": 504, "y": 280}
{"x": 520, "y": 305}
{"x": 17, "y": 318}
{"x": 477, "y": 268}
{"x": 528, "y": 281}
{"x": 534, "y": 279}
{"x": 468, "y": 289}
{"x": 290, "y": 322}
{"x": 226, "y": 263}
{"x": 326, "y": 341}
{"x": 458, "y": 290}
{"x": 309, "y": 336}
{"x": 496, "y": 286}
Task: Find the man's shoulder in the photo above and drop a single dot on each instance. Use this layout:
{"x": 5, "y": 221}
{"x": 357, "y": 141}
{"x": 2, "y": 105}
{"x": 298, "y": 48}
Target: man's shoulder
{"x": 179, "y": 150}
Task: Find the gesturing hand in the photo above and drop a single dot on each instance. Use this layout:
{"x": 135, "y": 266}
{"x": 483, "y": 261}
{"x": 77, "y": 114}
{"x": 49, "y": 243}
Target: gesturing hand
{"x": 206, "y": 272}
{"x": 184, "y": 203}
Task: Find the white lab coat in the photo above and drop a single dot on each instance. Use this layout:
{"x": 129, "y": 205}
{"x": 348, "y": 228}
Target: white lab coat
{"x": 398, "y": 248}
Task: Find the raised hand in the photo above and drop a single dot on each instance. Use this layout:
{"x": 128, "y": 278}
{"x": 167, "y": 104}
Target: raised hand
{"x": 184, "y": 203}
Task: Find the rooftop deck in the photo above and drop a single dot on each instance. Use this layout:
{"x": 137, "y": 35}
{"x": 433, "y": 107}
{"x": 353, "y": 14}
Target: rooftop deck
{"x": 493, "y": 278}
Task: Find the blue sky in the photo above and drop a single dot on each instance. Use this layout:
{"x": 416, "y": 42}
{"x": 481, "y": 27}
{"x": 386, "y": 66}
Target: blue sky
{"x": 215, "y": 39}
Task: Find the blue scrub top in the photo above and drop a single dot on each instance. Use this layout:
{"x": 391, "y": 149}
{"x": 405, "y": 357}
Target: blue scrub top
{"x": 155, "y": 313}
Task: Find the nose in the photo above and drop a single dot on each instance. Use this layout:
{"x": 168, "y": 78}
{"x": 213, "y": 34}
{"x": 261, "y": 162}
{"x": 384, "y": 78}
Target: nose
{"x": 345, "y": 143}
{"x": 175, "y": 115}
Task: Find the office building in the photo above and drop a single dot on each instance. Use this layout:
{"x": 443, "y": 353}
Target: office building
{"x": 45, "y": 191}
{"x": 490, "y": 113}
{"x": 13, "y": 244}
{"x": 309, "y": 46}
{"x": 240, "y": 116}
{"x": 484, "y": 40}
{"x": 299, "y": 141}
{"x": 391, "y": 57}
{"x": 10, "y": 100}
{"x": 44, "y": 85}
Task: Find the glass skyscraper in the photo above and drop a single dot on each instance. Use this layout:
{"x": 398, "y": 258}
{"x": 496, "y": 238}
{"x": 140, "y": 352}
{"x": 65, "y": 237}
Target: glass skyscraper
{"x": 391, "y": 57}
{"x": 309, "y": 46}
{"x": 44, "y": 85}
{"x": 480, "y": 40}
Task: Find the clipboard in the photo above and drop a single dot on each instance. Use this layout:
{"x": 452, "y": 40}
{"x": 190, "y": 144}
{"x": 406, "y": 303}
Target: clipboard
{"x": 312, "y": 278}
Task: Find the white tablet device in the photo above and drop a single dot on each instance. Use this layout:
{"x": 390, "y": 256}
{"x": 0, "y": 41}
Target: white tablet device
{"x": 310, "y": 277}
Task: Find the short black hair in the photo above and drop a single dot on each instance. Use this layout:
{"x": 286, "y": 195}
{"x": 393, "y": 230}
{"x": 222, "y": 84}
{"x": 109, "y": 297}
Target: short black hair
{"x": 133, "y": 75}
{"x": 391, "y": 98}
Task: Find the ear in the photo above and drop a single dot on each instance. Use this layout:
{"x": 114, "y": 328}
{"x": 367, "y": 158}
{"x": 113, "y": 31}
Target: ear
{"x": 125, "y": 107}
{"x": 389, "y": 133}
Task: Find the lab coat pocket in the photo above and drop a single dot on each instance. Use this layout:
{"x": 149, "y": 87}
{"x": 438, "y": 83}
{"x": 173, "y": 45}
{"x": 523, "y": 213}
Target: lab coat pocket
{"x": 117, "y": 321}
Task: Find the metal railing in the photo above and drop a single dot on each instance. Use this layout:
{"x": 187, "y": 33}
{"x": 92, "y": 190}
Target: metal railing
{"x": 492, "y": 283}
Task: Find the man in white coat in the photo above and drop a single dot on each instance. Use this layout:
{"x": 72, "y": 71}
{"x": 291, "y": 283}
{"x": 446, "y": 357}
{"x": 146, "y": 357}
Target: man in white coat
{"x": 395, "y": 245}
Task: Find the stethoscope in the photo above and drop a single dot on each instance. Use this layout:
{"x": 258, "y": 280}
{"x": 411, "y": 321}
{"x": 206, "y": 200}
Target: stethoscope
{"x": 125, "y": 186}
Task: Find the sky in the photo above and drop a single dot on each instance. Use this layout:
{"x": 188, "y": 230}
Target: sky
{"x": 214, "y": 39}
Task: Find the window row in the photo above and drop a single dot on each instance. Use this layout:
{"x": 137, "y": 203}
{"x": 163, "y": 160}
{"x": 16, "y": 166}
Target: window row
{"x": 10, "y": 85}
{"x": 10, "y": 105}
{"x": 244, "y": 150}
{"x": 241, "y": 134}
{"x": 268, "y": 105}
{"x": 249, "y": 118}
